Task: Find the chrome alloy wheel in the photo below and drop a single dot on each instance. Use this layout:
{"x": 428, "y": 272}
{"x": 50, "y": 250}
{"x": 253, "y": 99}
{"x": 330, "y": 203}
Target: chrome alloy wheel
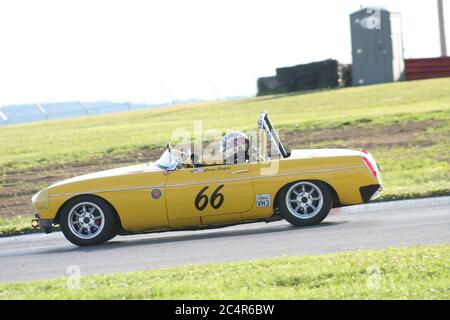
{"x": 304, "y": 200}
{"x": 86, "y": 220}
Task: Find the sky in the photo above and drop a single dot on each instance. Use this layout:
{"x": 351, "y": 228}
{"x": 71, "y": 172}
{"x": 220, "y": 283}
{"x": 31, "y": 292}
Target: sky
{"x": 162, "y": 50}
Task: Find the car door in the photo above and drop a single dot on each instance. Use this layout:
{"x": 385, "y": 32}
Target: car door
{"x": 209, "y": 195}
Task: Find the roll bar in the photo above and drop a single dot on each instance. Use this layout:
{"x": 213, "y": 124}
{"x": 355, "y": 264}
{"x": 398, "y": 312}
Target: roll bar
{"x": 266, "y": 127}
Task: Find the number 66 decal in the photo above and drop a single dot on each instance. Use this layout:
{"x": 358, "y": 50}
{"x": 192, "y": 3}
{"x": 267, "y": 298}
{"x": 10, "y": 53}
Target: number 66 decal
{"x": 201, "y": 200}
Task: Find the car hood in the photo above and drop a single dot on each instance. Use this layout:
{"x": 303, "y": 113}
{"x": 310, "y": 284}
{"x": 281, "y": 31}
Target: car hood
{"x": 140, "y": 168}
{"x": 323, "y": 153}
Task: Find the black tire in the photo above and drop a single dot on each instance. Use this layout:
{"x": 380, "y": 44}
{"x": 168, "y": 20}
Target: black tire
{"x": 108, "y": 227}
{"x": 301, "y": 218}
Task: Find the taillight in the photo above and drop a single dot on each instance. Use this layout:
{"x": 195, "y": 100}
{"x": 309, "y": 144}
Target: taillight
{"x": 370, "y": 166}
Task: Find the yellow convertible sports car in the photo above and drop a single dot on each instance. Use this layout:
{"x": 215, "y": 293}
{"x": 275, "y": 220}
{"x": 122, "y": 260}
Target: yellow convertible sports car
{"x": 179, "y": 192}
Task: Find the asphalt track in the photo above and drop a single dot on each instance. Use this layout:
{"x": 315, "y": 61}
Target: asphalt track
{"x": 372, "y": 226}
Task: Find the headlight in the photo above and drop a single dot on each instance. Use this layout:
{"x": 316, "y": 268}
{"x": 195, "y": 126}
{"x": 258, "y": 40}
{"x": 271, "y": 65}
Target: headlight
{"x": 40, "y": 200}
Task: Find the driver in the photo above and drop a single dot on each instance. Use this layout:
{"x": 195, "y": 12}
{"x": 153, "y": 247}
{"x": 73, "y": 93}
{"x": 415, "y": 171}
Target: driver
{"x": 235, "y": 147}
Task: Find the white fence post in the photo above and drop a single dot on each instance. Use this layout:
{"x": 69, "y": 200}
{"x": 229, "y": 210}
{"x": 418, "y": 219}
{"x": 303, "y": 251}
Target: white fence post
{"x": 215, "y": 89}
{"x": 83, "y": 106}
{"x": 42, "y": 110}
{"x": 3, "y": 116}
{"x": 172, "y": 101}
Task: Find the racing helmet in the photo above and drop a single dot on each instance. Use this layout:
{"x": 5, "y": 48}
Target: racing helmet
{"x": 235, "y": 147}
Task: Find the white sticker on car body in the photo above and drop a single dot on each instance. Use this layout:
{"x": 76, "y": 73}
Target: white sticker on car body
{"x": 263, "y": 200}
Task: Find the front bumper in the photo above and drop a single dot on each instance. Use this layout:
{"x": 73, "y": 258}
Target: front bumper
{"x": 371, "y": 192}
{"x": 44, "y": 224}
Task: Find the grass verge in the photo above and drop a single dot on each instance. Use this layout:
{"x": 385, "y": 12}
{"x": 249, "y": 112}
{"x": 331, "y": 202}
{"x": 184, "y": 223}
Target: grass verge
{"x": 397, "y": 273}
{"x": 13, "y": 226}
{"x": 75, "y": 140}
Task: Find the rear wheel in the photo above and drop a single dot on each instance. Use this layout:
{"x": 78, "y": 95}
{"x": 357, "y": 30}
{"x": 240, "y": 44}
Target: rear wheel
{"x": 305, "y": 203}
{"x": 87, "y": 221}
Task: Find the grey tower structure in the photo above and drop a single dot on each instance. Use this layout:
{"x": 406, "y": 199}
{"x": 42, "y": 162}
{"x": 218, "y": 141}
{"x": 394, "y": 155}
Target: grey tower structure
{"x": 377, "y": 46}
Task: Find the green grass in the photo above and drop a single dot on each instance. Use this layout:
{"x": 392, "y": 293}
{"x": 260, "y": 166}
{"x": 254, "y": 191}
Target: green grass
{"x": 401, "y": 273}
{"x": 16, "y": 225}
{"x": 73, "y": 140}
{"x": 411, "y": 172}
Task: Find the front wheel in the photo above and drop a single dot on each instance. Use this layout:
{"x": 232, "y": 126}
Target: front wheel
{"x": 305, "y": 203}
{"x": 87, "y": 221}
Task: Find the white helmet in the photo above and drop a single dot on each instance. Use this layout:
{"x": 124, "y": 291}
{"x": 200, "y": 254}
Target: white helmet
{"x": 235, "y": 147}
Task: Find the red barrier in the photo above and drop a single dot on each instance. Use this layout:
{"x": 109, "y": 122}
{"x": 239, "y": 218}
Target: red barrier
{"x": 427, "y": 68}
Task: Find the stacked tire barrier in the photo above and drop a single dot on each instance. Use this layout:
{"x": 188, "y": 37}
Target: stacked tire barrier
{"x": 311, "y": 76}
{"x": 427, "y": 68}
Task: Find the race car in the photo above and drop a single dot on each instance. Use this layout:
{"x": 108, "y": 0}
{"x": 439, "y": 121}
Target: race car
{"x": 180, "y": 192}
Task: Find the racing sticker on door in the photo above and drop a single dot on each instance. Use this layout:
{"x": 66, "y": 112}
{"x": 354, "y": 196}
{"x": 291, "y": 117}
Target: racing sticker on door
{"x": 263, "y": 200}
{"x": 216, "y": 200}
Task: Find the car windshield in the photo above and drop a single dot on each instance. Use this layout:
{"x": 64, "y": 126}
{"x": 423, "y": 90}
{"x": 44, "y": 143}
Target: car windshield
{"x": 265, "y": 126}
{"x": 170, "y": 159}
